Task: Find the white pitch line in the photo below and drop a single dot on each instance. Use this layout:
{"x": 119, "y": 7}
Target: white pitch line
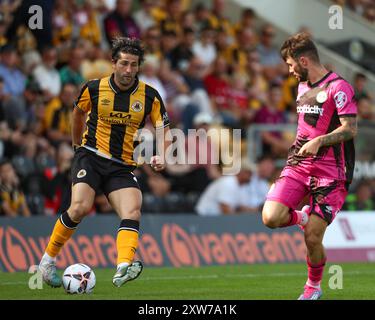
{"x": 9, "y": 283}
{"x": 216, "y": 276}
{"x": 243, "y": 275}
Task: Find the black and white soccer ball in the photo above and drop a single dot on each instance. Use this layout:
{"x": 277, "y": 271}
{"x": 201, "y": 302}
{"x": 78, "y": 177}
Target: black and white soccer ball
{"x": 78, "y": 279}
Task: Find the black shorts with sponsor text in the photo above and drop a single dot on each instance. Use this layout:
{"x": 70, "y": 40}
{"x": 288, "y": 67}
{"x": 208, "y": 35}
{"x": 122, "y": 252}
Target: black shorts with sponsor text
{"x": 101, "y": 173}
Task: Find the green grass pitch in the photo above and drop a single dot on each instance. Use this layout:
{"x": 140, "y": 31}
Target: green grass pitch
{"x": 244, "y": 282}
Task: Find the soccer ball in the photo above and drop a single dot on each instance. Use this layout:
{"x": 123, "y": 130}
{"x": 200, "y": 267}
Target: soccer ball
{"x": 78, "y": 278}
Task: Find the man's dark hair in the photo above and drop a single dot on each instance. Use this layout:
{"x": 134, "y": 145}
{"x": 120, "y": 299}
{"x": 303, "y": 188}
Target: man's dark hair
{"x": 127, "y": 45}
{"x": 360, "y": 75}
{"x": 298, "y": 45}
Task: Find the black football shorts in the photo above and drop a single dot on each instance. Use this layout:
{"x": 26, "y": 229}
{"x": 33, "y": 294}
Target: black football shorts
{"x": 101, "y": 173}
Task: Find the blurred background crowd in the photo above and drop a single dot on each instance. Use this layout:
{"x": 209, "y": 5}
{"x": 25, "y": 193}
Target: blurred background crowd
{"x": 364, "y": 8}
{"x": 211, "y": 72}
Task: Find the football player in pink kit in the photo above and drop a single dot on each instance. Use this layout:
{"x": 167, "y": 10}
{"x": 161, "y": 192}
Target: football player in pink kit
{"x": 320, "y": 162}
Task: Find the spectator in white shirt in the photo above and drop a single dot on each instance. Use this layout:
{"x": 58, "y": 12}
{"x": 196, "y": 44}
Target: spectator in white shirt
{"x": 254, "y": 193}
{"x": 47, "y": 75}
{"x": 223, "y": 196}
{"x": 205, "y": 47}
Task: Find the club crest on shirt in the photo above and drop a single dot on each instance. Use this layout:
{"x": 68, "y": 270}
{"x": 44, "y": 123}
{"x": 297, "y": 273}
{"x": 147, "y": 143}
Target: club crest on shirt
{"x": 321, "y": 97}
{"x": 340, "y": 99}
{"x": 137, "y": 106}
{"x": 81, "y": 173}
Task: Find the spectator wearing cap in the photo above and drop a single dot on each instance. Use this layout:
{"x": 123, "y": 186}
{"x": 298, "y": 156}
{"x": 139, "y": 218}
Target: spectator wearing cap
{"x": 224, "y": 196}
{"x": 120, "y": 22}
{"x": 201, "y": 158}
{"x": 205, "y": 149}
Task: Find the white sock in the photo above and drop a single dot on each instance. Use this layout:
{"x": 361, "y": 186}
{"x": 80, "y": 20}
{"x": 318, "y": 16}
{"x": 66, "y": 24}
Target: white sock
{"x": 312, "y": 285}
{"x": 48, "y": 258}
{"x": 304, "y": 218}
{"x": 122, "y": 264}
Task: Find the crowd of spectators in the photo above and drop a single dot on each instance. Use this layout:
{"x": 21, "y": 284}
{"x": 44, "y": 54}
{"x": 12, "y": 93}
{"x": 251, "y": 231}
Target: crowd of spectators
{"x": 211, "y": 72}
{"x": 364, "y": 8}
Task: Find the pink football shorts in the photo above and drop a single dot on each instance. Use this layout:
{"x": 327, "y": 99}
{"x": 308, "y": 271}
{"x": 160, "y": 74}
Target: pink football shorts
{"x": 327, "y": 196}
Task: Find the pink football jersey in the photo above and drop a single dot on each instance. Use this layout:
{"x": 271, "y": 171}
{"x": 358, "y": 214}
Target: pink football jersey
{"x": 319, "y": 107}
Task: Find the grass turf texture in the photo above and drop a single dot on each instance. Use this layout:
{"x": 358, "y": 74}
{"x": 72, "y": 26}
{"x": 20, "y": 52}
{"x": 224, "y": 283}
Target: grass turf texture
{"x": 245, "y": 282}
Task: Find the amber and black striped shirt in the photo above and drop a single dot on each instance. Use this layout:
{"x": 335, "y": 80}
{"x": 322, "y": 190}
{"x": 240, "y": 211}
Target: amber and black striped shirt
{"x": 114, "y": 116}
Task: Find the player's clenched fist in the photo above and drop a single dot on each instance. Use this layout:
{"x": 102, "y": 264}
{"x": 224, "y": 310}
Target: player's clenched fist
{"x": 310, "y": 148}
{"x": 156, "y": 163}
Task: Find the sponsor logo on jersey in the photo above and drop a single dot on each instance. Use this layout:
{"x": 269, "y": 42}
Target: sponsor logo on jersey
{"x": 306, "y": 108}
{"x": 122, "y": 118}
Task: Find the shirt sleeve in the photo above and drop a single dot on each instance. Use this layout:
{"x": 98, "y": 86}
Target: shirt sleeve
{"x": 159, "y": 115}
{"x": 343, "y": 99}
{"x": 83, "y": 101}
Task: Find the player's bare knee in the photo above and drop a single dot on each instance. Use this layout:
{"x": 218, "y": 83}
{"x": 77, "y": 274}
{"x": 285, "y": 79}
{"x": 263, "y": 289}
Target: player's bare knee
{"x": 270, "y": 220}
{"x": 132, "y": 215}
{"x": 78, "y": 210}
